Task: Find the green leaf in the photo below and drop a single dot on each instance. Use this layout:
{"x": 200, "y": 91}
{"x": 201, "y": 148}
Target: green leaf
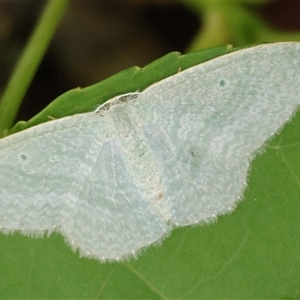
{"x": 252, "y": 253}
{"x": 130, "y": 80}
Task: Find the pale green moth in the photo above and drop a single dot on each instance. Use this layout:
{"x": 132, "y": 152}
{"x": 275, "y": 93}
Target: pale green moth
{"x": 118, "y": 179}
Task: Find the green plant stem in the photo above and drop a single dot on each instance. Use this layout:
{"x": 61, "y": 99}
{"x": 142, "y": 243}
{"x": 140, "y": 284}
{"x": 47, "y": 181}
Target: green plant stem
{"x": 29, "y": 62}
